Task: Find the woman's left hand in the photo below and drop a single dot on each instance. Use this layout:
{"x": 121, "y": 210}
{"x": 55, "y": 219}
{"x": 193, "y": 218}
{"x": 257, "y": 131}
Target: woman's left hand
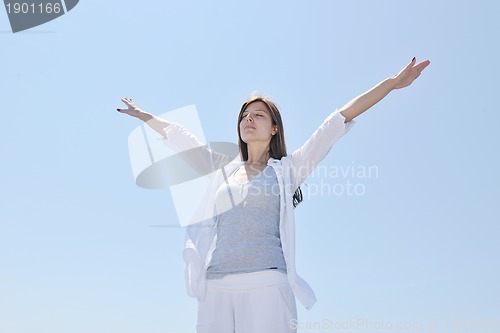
{"x": 409, "y": 73}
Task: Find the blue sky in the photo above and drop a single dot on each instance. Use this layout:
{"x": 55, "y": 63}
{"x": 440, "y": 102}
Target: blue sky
{"x": 79, "y": 250}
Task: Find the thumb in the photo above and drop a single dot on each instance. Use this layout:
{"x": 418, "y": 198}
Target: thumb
{"x": 412, "y": 63}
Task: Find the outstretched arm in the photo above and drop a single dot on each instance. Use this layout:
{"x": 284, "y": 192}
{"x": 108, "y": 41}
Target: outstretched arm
{"x": 363, "y": 102}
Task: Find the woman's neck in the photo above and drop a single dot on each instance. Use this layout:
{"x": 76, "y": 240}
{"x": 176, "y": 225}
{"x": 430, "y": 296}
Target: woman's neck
{"x": 257, "y": 155}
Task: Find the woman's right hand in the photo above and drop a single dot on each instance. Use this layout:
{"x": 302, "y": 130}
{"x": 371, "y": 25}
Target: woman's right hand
{"x": 132, "y": 109}
{"x": 156, "y": 123}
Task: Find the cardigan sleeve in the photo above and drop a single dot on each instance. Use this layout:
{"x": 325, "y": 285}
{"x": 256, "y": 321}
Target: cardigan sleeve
{"x": 308, "y": 156}
{"x": 192, "y": 151}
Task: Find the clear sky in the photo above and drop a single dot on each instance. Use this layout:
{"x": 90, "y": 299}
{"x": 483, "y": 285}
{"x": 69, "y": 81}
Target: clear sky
{"x": 80, "y": 246}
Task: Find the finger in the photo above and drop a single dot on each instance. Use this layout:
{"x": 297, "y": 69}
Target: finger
{"x": 127, "y": 101}
{"x": 411, "y": 64}
{"x": 421, "y": 66}
{"x": 409, "y": 67}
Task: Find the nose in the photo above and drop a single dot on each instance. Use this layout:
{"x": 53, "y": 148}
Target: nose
{"x": 248, "y": 118}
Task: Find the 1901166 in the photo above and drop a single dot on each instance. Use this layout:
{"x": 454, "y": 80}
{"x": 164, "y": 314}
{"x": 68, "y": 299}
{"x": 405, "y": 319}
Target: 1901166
{"x": 32, "y": 8}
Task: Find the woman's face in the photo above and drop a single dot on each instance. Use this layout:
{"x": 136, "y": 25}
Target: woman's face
{"x": 256, "y": 124}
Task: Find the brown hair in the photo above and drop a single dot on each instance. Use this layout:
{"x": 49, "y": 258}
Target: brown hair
{"x": 277, "y": 146}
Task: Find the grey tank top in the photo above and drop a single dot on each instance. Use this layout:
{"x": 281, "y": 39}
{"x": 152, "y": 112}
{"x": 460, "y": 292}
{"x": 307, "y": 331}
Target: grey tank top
{"x": 248, "y": 237}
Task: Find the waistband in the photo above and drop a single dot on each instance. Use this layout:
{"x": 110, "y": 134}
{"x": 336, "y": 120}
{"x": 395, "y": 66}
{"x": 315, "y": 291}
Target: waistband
{"x": 245, "y": 281}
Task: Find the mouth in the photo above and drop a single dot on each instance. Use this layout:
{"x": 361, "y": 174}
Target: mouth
{"x": 248, "y": 126}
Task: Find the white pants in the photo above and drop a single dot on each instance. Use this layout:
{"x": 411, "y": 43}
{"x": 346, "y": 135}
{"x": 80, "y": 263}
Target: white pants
{"x": 259, "y": 302}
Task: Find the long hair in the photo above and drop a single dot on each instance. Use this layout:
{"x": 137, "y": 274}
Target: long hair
{"x": 277, "y": 146}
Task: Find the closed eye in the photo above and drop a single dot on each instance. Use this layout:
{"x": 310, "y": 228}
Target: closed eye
{"x": 257, "y": 113}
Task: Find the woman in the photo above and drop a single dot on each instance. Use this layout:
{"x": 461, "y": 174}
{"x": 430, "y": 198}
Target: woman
{"x": 240, "y": 264}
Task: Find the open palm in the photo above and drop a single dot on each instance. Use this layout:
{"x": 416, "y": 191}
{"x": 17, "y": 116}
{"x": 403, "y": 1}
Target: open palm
{"x": 132, "y": 109}
{"x": 408, "y": 74}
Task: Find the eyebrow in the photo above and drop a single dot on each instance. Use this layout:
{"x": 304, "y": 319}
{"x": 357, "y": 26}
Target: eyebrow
{"x": 258, "y": 110}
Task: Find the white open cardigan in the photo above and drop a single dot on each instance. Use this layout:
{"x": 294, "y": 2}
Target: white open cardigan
{"x": 291, "y": 171}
